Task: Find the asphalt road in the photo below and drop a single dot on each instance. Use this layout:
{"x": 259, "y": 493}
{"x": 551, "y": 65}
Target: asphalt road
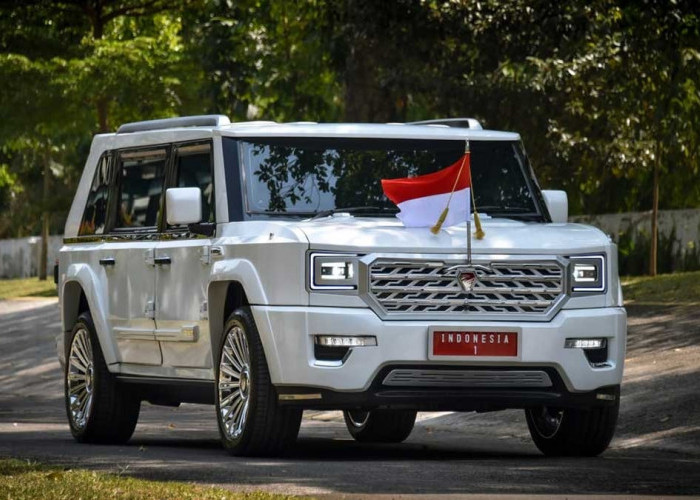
{"x": 656, "y": 450}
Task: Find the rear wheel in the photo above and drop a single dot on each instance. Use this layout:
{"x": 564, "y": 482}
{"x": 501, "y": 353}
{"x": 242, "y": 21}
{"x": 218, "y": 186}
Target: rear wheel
{"x": 99, "y": 409}
{"x": 572, "y": 432}
{"x": 250, "y": 420}
{"x": 380, "y": 426}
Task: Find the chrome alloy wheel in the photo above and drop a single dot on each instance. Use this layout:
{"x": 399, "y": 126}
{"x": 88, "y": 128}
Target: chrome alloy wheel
{"x": 546, "y": 420}
{"x": 234, "y": 383}
{"x": 80, "y": 378}
{"x": 358, "y": 418}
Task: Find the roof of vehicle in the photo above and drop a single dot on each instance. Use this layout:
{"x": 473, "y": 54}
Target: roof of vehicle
{"x": 362, "y": 130}
{"x": 441, "y": 129}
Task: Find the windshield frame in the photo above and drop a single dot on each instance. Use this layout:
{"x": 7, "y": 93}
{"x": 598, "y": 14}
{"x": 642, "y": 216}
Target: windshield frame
{"x": 235, "y": 172}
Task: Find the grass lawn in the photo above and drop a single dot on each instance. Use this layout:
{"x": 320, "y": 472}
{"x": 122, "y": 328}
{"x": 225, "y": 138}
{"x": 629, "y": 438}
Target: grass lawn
{"x": 667, "y": 289}
{"x": 27, "y": 287}
{"x": 21, "y": 479}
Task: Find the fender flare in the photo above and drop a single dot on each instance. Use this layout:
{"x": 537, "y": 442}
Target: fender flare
{"x": 85, "y": 278}
{"x": 244, "y": 272}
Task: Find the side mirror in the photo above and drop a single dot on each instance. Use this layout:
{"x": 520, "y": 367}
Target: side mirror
{"x": 557, "y": 204}
{"x": 183, "y": 206}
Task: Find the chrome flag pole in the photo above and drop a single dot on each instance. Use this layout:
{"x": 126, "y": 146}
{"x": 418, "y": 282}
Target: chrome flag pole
{"x": 469, "y": 239}
{"x": 469, "y": 222}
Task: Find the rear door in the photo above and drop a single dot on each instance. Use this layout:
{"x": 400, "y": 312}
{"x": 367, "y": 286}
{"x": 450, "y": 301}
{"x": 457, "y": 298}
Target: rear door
{"x": 181, "y": 285}
{"x": 129, "y": 253}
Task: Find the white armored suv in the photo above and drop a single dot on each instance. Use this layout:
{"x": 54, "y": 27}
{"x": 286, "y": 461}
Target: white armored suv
{"x": 259, "y": 267}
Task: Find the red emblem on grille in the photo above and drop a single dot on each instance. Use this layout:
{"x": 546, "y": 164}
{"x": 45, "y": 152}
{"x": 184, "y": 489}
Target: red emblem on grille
{"x": 467, "y": 281}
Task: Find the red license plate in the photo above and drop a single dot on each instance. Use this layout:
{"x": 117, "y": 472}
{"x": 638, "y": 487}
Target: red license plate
{"x": 446, "y": 343}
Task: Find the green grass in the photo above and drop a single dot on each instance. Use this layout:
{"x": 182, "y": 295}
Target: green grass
{"x": 29, "y": 480}
{"x": 27, "y": 287}
{"x": 666, "y": 289}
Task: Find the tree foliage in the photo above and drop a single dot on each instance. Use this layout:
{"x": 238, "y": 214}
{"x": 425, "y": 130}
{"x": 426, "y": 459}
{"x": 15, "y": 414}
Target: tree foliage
{"x": 604, "y": 92}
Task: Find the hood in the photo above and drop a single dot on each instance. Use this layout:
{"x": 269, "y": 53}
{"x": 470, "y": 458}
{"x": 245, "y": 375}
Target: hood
{"x": 503, "y": 236}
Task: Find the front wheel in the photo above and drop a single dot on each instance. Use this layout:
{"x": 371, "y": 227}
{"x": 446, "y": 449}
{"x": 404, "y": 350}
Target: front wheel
{"x": 250, "y": 420}
{"x": 380, "y": 426}
{"x": 572, "y": 432}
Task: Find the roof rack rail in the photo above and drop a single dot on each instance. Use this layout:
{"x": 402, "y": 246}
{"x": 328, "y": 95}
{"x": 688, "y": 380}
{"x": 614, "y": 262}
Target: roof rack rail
{"x": 182, "y": 121}
{"x": 471, "y": 123}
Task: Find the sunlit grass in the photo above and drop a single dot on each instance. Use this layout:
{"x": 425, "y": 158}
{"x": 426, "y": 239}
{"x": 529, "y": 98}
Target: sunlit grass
{"x": 28, "y": 480}
{"x": 670, "y": 289}
{"x": 27, "y": 287}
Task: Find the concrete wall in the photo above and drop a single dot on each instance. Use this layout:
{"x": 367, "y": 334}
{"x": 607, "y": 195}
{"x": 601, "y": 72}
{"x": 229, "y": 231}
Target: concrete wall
{"x": 685, "y": 224}
{"x": 19, "y": 258}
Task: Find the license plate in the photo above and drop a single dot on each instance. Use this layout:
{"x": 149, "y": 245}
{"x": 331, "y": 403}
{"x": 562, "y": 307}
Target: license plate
{"x": 450, "y": 343}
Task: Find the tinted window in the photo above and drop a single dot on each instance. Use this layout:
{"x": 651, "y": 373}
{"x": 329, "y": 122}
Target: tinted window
{"x": 305, "y": 176}
{"x": 194, "y": 170}
{"x": 140, "y": 188}
{"x": 95, "y": 215}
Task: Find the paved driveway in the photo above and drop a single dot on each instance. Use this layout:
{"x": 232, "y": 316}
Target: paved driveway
{"x": 656, "y": 450}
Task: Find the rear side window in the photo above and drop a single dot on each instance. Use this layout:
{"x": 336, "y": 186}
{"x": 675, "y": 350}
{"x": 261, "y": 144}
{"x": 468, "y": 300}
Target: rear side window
{"x": 140, "y": 186}
{"x": 194, "y": 169}
{"x": 95, "y": 214}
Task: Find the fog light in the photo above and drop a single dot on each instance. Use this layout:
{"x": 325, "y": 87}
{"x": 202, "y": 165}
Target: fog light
{"x": 345, "y": 341}
{"x": 584, "y": 343}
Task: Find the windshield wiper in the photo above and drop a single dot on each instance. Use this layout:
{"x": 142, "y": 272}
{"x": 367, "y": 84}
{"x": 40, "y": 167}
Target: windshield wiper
{"x": 489, "y": 209}
{"x": 354, "y": 210}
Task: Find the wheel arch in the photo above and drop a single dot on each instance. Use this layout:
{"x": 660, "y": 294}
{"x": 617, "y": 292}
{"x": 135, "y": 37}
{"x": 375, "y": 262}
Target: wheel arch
{"x": 79, "y": 294}
{"x": 224, "y": 297}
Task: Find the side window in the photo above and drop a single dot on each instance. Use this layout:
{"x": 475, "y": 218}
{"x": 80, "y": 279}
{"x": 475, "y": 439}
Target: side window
{"x": 95, "y": 214}
{"x": 140, "y": 176}
{"x": 193, "y": 168}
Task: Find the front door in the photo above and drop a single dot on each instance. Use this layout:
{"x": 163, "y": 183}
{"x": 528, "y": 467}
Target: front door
{"x": 181, "y": 285}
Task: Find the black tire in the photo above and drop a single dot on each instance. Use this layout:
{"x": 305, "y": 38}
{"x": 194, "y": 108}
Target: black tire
{"x": 267, "y": 429}
{"x": 380, "y": 426}
{"x": 572, "y": 432}
{"x": 111, "y": 414}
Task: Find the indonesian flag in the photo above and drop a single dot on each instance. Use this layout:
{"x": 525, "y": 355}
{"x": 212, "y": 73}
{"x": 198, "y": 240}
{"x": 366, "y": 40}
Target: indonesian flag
{"x": 423, "y": 199}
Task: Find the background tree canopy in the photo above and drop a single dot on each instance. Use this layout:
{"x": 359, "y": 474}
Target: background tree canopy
{"x": 605, "y": 93}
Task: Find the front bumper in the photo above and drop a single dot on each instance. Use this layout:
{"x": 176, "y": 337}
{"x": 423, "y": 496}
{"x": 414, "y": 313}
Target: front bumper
{"x": 288, "y": 333}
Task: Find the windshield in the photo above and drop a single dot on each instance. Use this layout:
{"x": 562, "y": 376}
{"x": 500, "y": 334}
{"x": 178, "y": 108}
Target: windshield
{"x": 305, "y": 176}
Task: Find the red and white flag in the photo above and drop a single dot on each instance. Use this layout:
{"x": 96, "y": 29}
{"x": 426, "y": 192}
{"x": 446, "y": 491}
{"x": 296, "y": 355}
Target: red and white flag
{"x": 423, "y": 199}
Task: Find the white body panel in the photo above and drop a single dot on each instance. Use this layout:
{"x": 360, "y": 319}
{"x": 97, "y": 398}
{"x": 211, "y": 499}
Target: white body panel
{"x": 181, "y": 295}
{"x": 403, "y": 342}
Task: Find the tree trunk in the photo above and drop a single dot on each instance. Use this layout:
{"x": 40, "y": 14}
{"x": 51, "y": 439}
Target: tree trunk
{"x": 45, "y": 220}
{"x": 102, "y": 109}
{"x": 654, "y": 250}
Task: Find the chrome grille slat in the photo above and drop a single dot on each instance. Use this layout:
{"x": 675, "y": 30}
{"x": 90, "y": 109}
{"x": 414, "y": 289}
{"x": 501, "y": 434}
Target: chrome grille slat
{"x": 421, "y": 287}
{"x": 467, "y": 378}
{"x": 429, "y": 289}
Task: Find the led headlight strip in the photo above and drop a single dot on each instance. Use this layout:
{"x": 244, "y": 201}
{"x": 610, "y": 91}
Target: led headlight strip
{"x": 333, "y": 271}
{"x": 587, "y": 273}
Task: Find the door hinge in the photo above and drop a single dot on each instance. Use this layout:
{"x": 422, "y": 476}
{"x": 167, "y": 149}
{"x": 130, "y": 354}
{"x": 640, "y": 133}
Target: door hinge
{"x": 210, "y": 253}
{"x": 149, "y": 256}
{"x": 150, "y": 310}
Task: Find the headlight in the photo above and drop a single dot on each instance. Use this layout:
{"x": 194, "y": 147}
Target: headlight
{"x": 333, "y": 271}
{"x": 587, "y": 274}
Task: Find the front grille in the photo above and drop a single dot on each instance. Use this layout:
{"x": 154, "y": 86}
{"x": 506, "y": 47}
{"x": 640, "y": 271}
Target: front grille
{"x": 418, "y": 287}
{"x": 467, "y": 378}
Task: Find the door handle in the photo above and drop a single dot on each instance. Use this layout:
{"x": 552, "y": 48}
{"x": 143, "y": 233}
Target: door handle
{"x": 108, "y": 261}
{"x": 159, "y": 261}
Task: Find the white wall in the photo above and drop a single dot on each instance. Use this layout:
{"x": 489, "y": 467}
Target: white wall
{"x": 686, "y": 224}
{"x": 19, "y": 258}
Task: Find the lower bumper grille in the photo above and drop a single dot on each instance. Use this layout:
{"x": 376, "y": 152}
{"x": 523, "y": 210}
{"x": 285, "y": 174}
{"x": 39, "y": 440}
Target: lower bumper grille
{"x": 467, "y": 378}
